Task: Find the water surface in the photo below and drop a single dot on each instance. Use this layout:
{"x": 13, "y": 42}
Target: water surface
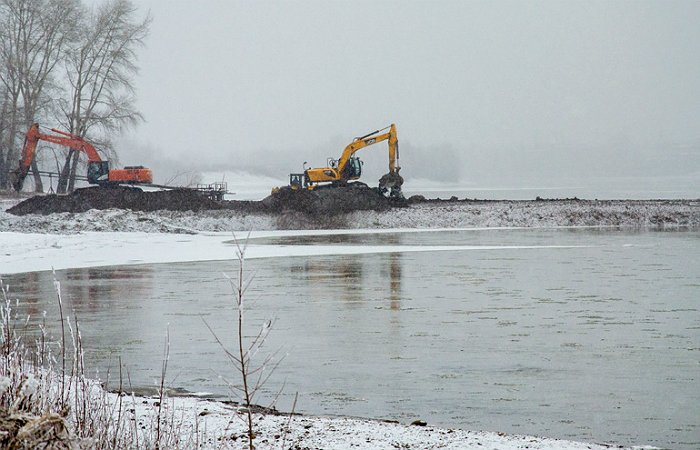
{"x": 596, "y": 340}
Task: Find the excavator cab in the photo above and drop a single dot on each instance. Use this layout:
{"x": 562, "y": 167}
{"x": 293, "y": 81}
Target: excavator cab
{"x": 353, "y": 169}
{"x": 296, "y": 181}
{"x": 98, "y": 172}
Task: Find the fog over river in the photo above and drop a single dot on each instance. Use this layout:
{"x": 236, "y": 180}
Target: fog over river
{"x": 586, "y": 334}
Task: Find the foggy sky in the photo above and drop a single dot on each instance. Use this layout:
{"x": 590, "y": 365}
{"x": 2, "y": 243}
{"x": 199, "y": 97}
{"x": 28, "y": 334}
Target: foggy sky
{"x": 480, "y": 91}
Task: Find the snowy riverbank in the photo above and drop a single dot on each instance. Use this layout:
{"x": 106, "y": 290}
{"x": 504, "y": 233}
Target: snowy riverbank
{"x": 308, "y": 432}
{"x": 626, "y": 213}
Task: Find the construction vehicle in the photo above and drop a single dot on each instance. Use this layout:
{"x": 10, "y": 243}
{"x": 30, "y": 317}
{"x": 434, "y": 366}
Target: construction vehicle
{"x": 349, "y": 167}
{"x": 98, "y": 170}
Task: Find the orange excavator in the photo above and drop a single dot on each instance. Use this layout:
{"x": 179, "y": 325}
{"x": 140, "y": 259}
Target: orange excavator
{"x": 98, "y": 170}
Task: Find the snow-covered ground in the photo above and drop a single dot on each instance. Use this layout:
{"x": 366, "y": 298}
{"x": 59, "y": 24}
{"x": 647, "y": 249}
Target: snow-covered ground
{"x": 96, "y": 238}
{"x": 306, "y": 432}
{"x": 666, "y": 213}
{"x": 31, "y": 252}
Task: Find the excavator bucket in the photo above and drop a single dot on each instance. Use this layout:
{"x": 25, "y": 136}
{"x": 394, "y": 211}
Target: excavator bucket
{"x": 17, "y": 180}
{"x": 391, "y": 183}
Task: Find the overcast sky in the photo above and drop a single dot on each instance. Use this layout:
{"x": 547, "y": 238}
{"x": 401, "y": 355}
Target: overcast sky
{"x": 508, "y": 91}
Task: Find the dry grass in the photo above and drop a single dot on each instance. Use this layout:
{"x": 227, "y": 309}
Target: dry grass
{"x": 48, "y": 402}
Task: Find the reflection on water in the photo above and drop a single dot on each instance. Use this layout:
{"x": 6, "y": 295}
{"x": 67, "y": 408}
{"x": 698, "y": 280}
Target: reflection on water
{"x": 598, "y": 343}
{"x": 86, "y": 288}
{"x": 346, "y": 278}
{"x": 344, "y": 239}
{"x": 395, "y": 280}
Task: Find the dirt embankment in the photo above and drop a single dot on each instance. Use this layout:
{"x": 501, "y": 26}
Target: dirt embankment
{"x": 119, "y": 197}
{"x": 321, "y": 201}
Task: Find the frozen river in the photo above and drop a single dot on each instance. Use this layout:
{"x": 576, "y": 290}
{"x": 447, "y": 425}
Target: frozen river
{"x": 584, "y": 334}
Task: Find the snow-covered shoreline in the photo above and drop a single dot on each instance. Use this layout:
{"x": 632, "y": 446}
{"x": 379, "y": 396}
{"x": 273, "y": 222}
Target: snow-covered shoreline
{"x": 317, "y": 432}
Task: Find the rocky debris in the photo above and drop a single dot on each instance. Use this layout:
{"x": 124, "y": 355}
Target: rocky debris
{"x": 322, "y": 201}
{"x": 418, "y": 198}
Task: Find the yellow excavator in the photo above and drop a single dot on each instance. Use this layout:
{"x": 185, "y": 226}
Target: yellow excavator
{"x": 349, "y": 167}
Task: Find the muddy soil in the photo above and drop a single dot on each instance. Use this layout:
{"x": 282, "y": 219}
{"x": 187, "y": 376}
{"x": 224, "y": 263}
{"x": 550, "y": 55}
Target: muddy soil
{"x": 120, "y": 197}
{"x": 354, "y": 197}
{"x": 329, "y": 201}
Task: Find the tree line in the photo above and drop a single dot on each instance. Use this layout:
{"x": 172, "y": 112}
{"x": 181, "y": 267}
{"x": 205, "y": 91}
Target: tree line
{"x": 69, "y": 65}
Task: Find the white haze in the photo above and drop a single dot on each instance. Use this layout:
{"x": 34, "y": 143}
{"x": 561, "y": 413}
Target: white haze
{"x": 485, "y": 94}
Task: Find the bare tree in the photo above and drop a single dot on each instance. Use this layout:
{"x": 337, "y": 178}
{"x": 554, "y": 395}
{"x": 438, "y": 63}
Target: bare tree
{"x": 10, "y": 92}
{"x": 100, "y": 73}
{"x": 252, "y": 377}
{"x": 7, "y": 111}
{"x": 34, "y": 37}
